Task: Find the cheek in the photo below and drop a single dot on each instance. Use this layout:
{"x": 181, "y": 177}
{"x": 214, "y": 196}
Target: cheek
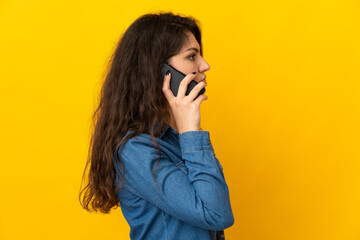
{"x": 183, "y": 65}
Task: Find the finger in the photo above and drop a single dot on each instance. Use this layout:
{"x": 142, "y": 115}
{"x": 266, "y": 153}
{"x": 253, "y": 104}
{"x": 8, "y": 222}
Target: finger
{"x": 184, "y": 84}
{"x": 201, "y": 98}
{"x": 166, "y": 88}
{"x": 195, "y": 91}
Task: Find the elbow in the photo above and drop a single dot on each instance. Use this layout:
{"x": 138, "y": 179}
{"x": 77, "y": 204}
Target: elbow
{"x": 227, "y": 222}
{"x": 230, "y": 222}
{"x": 223, "y": 222}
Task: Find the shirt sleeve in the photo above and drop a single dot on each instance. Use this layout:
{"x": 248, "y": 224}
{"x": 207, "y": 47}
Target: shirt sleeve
{"x": 199, "y": 197}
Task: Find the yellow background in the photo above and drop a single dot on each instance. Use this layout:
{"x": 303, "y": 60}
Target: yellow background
{"x": 283, "y": 113}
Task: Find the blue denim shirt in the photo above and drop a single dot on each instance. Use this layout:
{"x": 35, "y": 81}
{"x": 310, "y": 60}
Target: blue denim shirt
{"x": 192, "y": 201}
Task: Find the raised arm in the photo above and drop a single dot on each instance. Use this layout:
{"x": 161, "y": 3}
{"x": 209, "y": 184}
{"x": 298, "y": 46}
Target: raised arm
{"x": 199, "y": 197}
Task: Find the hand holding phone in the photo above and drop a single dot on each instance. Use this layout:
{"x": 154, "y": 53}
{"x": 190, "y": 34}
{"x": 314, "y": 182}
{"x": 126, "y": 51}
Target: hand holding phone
{"x": 185, "y": 109}
{"x": 176, "y": 78}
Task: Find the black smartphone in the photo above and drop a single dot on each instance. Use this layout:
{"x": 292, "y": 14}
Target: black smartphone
{"x": 176, "y": 77}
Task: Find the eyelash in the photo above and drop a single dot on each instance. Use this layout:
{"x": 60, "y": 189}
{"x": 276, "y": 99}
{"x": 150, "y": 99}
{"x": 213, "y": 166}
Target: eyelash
{"x": 192, "y": 56}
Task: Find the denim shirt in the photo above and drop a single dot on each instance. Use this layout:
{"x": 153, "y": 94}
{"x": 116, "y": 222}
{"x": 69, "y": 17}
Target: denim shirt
{"x": 190, "y": 199}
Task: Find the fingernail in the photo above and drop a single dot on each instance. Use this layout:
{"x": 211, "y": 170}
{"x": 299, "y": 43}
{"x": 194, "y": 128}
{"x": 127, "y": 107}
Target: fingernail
{"x": 194, "y": 73}
{"x": 167, "y": 73}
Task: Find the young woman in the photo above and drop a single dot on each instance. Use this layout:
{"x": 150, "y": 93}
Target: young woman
{"x": 148, "y": 154}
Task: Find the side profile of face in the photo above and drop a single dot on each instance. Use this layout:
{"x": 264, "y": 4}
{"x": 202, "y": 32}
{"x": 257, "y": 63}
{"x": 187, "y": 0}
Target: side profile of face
{"x": 189, "y": 60}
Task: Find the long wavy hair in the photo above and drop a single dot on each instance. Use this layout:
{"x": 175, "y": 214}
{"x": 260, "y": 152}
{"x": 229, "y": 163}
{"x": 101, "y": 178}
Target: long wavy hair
{"x": 131, "y": 98}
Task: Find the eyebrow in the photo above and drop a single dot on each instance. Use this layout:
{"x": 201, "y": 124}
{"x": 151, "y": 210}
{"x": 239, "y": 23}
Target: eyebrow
{"x": 192, "y": 48}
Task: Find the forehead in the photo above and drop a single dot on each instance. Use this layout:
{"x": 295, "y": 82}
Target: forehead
{"x": 190, "y": 42}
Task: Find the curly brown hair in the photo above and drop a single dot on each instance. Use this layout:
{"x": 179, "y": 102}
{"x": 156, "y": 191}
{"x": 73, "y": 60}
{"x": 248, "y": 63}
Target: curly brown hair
{"x": 131, "y": 98}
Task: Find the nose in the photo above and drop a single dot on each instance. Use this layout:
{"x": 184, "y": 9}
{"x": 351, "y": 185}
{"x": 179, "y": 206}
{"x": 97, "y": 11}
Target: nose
{"x": 204, "y": 66}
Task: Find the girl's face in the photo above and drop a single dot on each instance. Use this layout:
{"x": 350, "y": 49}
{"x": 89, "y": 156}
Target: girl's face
{"x": 189, "y": 60}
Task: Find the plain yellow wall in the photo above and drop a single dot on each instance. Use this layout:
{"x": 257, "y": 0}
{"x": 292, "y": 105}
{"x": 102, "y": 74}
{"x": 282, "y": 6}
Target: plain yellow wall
{"x": 283, "y": 113}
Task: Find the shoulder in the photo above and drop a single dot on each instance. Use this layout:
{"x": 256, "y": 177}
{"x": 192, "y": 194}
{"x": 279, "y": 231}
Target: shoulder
{"x": 137, "y": 156}
{"x": 140, "y": 145}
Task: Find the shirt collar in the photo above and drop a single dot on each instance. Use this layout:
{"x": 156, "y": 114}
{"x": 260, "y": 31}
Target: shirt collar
{"x": 166, "y": 128}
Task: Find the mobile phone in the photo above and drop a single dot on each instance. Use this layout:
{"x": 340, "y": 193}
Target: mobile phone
{"x": 176, "y": 77}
